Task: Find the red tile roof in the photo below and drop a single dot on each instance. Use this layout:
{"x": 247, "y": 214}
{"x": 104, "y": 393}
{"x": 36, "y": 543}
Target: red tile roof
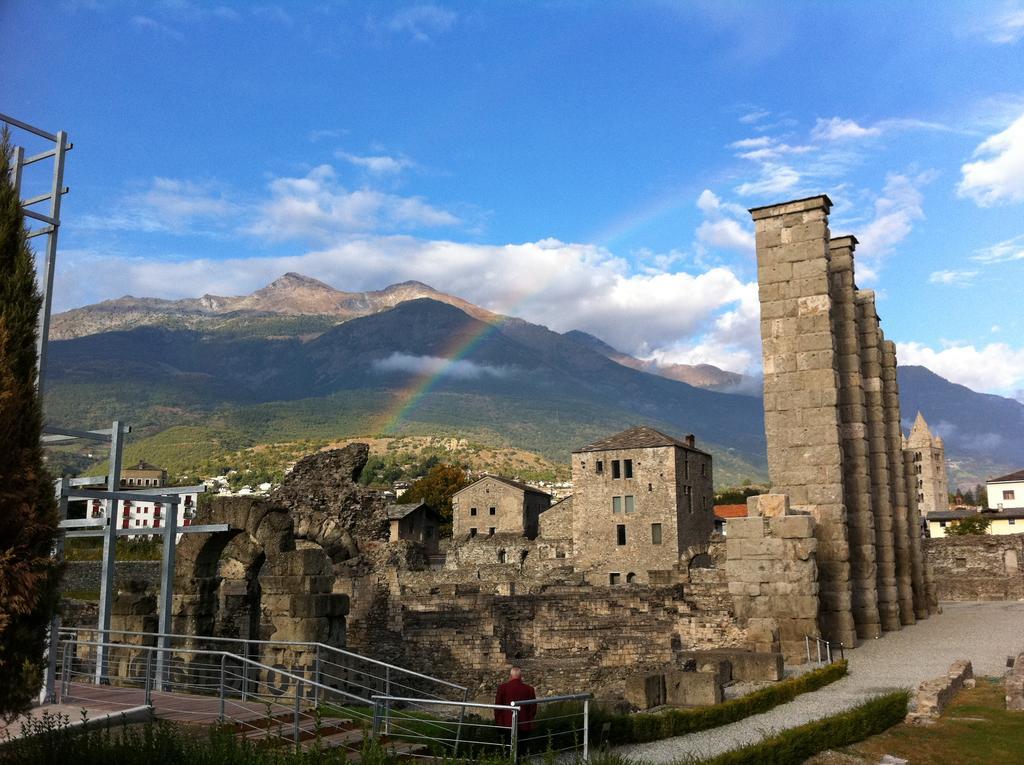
{"x": 730, "y": 511}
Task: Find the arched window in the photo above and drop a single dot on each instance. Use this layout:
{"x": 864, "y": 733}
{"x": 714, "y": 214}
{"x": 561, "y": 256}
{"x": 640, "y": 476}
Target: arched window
{"x": 630, "y": 578}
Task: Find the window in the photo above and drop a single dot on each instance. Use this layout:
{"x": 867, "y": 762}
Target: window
{"x": 613, "y": 578}
{"x": 490, "y": 532}
{"x": 502, "y": 556}
{"x": 961, "y": 562}
{"x": 616, "y": 504}
{"x": 686, "y": 467}
{"x": 472, "y": 532}
{"x": 650, "y": 487}
{"x": 703, "y": 468}
{"x": 704, "y": 503}
{"x": 1012, "y": 521}
{"x": 655, "y": 533}
{"x": 599, "y": 466}
{"x": 1008, "y": 494}
{"x": 616, "y": 469}
{"x": 630, "y": 506}
{"x": 492, "y": 510}
{"x": 942, "y": 524}
{"x": 620, "y": 534}
{"x": 472, "y": 511}
{"x": 627, "y": 467}
{"x": 630, "y": 578}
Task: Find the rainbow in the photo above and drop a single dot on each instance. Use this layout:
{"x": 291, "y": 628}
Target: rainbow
{"x": 404, "y": 401}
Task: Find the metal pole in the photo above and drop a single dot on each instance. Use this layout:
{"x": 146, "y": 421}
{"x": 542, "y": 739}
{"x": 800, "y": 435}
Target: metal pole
{"x": 109, "y": 550}
{"x": 375, "y": 730}
{"x": 223, "y": 659}
{"x": 295, "y": 717}
{"x": 387, "y": 692}
{"x": 514, "y": 735}
{"x": 807, "y": 645}
{"x": 170, "y": 545}
{"x": 49, "y": 692}
{"x": 316, "y": 674}
{"x": 149, "y": 676}
{"x": 51, "y": 253}
{"x": 819, "y": 650}
{"x": 586, "y": 730}
{"x": 462, "y": 716}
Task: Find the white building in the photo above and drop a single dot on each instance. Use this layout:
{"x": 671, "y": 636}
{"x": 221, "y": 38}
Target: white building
{"x": 148, "y": 517}
{"x": 1006, "y": 492}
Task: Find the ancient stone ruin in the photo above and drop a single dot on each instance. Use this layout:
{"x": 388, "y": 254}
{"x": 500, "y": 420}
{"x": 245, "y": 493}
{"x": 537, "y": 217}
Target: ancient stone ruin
{"x": 832, "y": 421}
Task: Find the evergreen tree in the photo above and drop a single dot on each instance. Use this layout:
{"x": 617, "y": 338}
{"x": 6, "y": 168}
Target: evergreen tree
{"x": 29, "y": 577}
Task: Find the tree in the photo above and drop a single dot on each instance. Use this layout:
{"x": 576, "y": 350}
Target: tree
{"x": 436, "y": 490}
{"x": 29, "y": 576}
{"x": 971, "y": 525}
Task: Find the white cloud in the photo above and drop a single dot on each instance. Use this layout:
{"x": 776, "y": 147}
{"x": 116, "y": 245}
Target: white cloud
{"x": 422, "y": 22}
{"x": 753, "y": 117}
{"x": 994, "y": 368}
{"x": 562, "y": 285}
{"x": 838, "y": 129}
{"x": 317, "y": 207}
{"x": 752, "y": 143}
{"x": 1003, "y": 252}
{"x": 380, "y": 164}
{"x": 775, "y": 178}
{"x": 1006, "y": 27}
{"x": 151, "y": 24}
{"x": 461, "y": 369}
{"x": 998, "y": 175}
{"x": 896, "y": 209}
{"x": 958, "y": 278}
{"x": 725, "y": 233}
{"x": 169, "y": 205}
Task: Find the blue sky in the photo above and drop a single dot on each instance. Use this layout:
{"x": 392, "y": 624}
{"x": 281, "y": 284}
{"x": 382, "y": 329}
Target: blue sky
{"x": 583, "y": 165}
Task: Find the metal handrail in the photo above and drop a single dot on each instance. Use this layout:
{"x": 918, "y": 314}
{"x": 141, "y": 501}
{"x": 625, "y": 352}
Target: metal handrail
{"x": 822, "y": 643}
{"x": 383, "y": 723}
{"x": 306, "y": 644}
{"x": 584, "y": 697}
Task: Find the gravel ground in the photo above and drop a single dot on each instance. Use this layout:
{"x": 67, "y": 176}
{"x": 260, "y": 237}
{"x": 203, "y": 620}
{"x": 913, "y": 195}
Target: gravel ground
{"x": 985, "y": 633}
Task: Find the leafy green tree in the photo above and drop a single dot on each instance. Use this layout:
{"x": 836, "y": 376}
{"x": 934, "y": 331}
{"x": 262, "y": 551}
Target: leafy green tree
{"x": 971, "y": 525}
{"x": 29, "y": 577}
{"x": 436, "y": 489}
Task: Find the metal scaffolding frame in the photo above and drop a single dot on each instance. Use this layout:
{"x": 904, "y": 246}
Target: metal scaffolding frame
{"x": 67, "y": 489}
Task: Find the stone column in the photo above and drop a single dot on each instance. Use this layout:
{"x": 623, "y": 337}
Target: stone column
{"x": 916, "y": 543}
{"x": 881, "y": 500}
{"x": 853, "y": 417}
{"x": 801, "y": 388}
{"x": 898, "y": 484}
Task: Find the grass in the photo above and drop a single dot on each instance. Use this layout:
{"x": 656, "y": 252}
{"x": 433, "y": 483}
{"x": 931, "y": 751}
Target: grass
{"x": 127, "y": 549}
{"x": 976, "y": 729}
{"x": 81, "y": 594}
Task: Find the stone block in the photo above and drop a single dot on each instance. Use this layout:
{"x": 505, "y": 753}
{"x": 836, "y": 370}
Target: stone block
{"x": 745, "y": 528}
{"x": 645, "y": 691}
{"x": 692, "y": 689}
{"x": 768, "y": 505}
{"x": 792, "y": 526}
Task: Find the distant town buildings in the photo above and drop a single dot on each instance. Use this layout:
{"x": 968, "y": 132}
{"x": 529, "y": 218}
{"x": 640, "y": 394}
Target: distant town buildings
{"x": 1004, "y": 508}
{"x": 1006, "y": 492}
{"x": 150, "y": 516}
{"x": 928, "y": 457}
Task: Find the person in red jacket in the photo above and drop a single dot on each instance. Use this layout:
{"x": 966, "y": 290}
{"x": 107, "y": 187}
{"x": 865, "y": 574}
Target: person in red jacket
{"x": 514, "y": 689}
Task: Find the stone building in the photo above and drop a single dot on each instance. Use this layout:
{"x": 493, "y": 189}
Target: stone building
{"x": 928, "y": 462}
{"x": 640, "y": 500}
{"x": 415, "y": 523}
{"x": 143, "y": 475}
{"x": 496, "y": 505}
{"x": 832, "y": 423}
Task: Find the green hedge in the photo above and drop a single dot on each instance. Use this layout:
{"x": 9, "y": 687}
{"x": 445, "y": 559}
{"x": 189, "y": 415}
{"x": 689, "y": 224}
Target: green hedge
{"x": 794, "y": 746}
{"x": 652, "y": 726}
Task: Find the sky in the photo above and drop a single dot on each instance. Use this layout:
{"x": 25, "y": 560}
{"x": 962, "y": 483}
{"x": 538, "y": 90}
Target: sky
{"x": 582, "y": 165}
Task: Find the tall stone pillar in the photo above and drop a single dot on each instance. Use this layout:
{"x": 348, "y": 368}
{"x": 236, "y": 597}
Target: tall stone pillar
{"x": 853, "y": 417}
{"x": 898, "y": 484}
{"x": 801, "y": 389}
{"x": 916, "y": 543}
{"x": 878, "y": 455}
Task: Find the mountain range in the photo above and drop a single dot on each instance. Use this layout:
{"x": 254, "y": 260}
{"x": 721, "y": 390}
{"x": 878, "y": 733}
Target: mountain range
{"x": 299, "y": 359}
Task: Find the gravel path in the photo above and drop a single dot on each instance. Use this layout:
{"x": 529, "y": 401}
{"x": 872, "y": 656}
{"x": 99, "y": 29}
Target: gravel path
{"x": 985, "y": 633}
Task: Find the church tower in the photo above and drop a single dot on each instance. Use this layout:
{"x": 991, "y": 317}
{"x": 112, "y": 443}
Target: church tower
{"x": 928, "y": 456}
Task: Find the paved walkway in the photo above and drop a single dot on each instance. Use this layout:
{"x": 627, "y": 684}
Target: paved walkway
{"x": 985, "y": 633}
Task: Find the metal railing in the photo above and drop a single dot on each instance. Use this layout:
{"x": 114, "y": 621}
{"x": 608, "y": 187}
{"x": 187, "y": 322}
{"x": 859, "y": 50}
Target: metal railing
{"x": 825, "y": 649}
{"x": 321, "y": 703}
{"x": 320, "y": 663}
{"x": 444, "y": 729}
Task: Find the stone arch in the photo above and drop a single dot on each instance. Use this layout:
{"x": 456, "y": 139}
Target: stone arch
{"x": 697, "y": 556}
{"x": 630, "y": 578}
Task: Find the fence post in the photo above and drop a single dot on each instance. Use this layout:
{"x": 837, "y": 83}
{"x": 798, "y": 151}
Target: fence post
{"x": 223, "y": 659}
{"x": 514, "y": 735}
{"x": 828, "y": 649}
{"x": 295, "y": 716}
{"x": 376, "y": 719}
{"x": 245, "y": 680}
{"x": 149, "y": 677}
{"x": 586, "y": 730}
{"x": 819, "y": 650}
{"x": 807, "y": 646}
{"x": 316, "y": 674}
{"x": 462, "y": 716}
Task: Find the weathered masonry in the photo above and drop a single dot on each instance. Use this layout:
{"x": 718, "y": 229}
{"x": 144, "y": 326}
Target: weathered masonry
{"x": 496, "y": 505}
{"x": 832, "y": 422}
{"x": 641, "y": 499}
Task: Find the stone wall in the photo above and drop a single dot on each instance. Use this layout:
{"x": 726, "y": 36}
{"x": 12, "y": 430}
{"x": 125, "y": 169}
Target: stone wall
{"x": 85, "y": 574}
{"x": 977, "y": 567}
{"x": 773, "y": 577}
{"x": 832, "y": 422}
{"x": 933, "y": 696}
